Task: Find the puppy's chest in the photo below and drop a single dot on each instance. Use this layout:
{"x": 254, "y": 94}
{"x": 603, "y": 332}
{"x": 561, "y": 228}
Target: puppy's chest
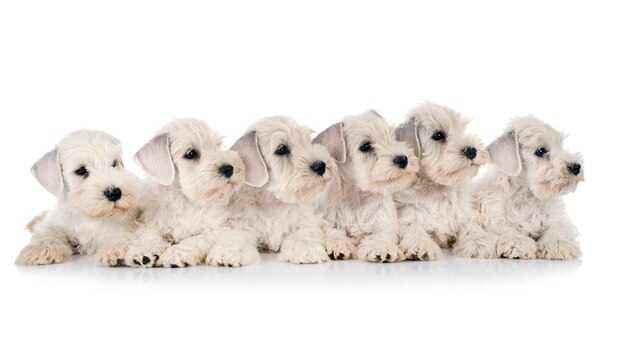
{"x": 274, "y": 223}
{"x": 437, "y": 211}
{"x": 88, "y": 236}
{"x": 526, "y": 213}
{"x": 359, "y": 213}
{"x": 192, "y": 220}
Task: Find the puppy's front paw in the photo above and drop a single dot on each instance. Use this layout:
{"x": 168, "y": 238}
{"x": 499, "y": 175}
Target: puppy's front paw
{"x": 44, "y": 253}
{"x": 339, "y": 248}
{"x": 233, "y": 256}
{"x": 514, "y": 246}
{"x": 380, "y": 252}
{"x": 112, "y": 256}
{"x": 476, "y": 246}
{"x": 557, "y": 250}
{"x": 423, "y": 249}
{"x": 143, "y": 256}
{"x": 303, "y": 254}
{"x": 175, "y": 256}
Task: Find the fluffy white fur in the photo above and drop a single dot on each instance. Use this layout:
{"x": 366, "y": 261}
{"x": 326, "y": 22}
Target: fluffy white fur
{"x": 277, "y": 206}
{"x": 520, "y": 198}
{"x": 184, "y": 200}
{"x": 84, "y": 221}
{"x": 436, "y": 210}
{"x": 359, "y": 210}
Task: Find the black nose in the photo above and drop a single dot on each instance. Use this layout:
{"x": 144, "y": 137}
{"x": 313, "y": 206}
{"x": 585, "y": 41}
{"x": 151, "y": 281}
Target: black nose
{"x": 470, "y": 152}
{"x": 319, "y": 167}
{"x": 574, "y": 168}
{"x": 401, "y": 161}
{"x": 226, "y": 170}
{"x": 113, "y": 194}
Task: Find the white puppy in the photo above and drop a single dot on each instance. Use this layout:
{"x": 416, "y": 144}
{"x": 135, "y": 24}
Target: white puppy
{"x": 96, "y": 202}
{"x": 184, "y": 199}
{"x": 436, "y": 210}
{"x": 519, "y": 200}
{"x": 360, "y": 213}
{"x": 285, "y": 173}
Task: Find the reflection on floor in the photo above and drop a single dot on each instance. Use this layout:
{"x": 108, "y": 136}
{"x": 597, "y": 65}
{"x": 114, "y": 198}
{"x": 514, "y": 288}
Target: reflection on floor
{"x": 271, "y": 272}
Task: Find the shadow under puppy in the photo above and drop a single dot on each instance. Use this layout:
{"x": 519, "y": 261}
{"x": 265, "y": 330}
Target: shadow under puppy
{"x": 520, "y": 198}
{"x": 96, "y": 202}
{"x": 285, "y": 174}
{"x": 184, "y": 202}
{"x": 436, "y": 210}
{"x": 359, "y": 211}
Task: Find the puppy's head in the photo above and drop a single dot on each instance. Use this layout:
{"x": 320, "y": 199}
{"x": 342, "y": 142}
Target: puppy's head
{"x": 374, "y": 158}
{"x": 86, "y": 168}
{"x": 447, "y": 154}
{"x": 187, "y": 153}
{"x": 280, "y": 157}
{"x": 533, "y": 150}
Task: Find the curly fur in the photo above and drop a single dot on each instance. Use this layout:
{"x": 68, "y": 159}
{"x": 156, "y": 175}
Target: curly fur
{"x": 84, "y": 221}
{"x": 279, "y": 214}
{"x": 360, "y": 214}
{"x": 184, "y": 201}
{"x": 436, "y": 210}
{"x": 521, "y": 202}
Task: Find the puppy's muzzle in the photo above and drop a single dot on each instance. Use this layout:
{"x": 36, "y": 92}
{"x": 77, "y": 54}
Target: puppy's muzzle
{"x": 113, "y": 194}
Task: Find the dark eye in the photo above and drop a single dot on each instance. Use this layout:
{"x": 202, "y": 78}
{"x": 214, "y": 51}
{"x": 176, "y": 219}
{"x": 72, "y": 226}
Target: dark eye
{"x": 191, "y": 154}
{"x": 282, "y": 150}
{"x": 439, "y": 136}
{"x": 114, "y": 164}
{"x": 82, "y": 171}
{"x": 366, "y": 147}
{"x": 540, "y": 152}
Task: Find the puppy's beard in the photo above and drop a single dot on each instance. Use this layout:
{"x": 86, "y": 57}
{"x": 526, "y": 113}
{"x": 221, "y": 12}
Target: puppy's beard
{"x": 453, "y": 167}
{"x": 88, "y": 197}
{"x": 207, "y": 187}
{"x": 94, "y": 204}
{"x": 299, "y": 187}
{"x": 384, "y": 177}
{"x": 549, "y": 181}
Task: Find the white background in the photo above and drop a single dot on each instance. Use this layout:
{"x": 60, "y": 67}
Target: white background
{"x": 128, "y": 67}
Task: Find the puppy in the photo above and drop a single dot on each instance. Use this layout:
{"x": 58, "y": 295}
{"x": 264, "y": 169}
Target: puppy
{"x": 96, "y": 202}
{"x": 436, "y": 210}
{"x": 520, "y": 199}
{"x": 359, "y": 210}
{"x": 184, "y": 200}
{"x": 285, "y": 174}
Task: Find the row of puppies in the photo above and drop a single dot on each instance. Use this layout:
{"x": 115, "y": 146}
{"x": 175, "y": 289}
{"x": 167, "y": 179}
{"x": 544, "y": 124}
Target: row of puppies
{"x": 360, "y": 189}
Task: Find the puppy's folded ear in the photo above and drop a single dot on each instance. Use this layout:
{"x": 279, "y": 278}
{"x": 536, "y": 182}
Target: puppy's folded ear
{"x": 407, "y": 132}
{"x": 504, "y": 153}
{"x": 156, "y": 160}
{"x": 47, "y": 170}
{"x": 248, "y": 149}
{"x": 332, "y": 138}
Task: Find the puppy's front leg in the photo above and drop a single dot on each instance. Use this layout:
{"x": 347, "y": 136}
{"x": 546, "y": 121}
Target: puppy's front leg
{"x": 145, "y": 248}
{"x": 113, "y": 254}
{"x": 189, "y": 252}
{"x": 304, "y": 245}
{"x": 514, "y": 245}
{"x": 474, "y": 242}
{"x": 47, "y": 246}
{"x": 338, "y": 245}
{"x": 416, "y": 243}
{"x": 559, "y": 242}
{"x": 233, "y": 248}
